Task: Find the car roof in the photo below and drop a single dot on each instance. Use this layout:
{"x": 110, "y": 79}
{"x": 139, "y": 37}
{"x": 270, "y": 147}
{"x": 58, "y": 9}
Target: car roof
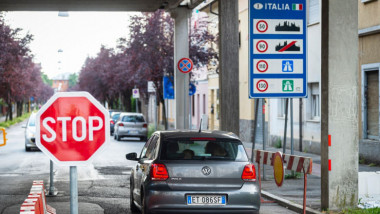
{"x": 130, "y": 113}
{"x": 175, "y": 134}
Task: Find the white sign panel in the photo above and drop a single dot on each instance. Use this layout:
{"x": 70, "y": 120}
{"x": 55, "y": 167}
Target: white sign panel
{"x": 278, "y": 66}
{"x": 135, "y": 93}
{"x": 270, "y": 86}
{"x": 278, "y": 26}
{"x": 151, "y": 87}
{"x": 277, "y": 46}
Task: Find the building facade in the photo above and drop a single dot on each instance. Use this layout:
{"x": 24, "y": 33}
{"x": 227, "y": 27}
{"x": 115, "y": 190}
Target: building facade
{"x": 369, "y": 66}
{"x": 311, "y": 108}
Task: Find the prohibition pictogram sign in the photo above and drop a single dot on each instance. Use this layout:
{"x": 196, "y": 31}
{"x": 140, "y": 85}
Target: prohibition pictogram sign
{"x": 262, "y": 26}
{"x": 185, "y": 65}
{"x": 262, "y": 46}
{"x": 262, "y": 85}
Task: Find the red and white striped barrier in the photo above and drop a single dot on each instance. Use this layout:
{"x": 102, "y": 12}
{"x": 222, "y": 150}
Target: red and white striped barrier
{"x": 291, "y": 162}
{"x": 36, "y": 201}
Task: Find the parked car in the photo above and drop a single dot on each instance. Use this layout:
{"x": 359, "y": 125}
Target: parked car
{"x": 193, "y": 172}
{"x": 114, "y": 117}
{"x": 131, "y": 125}
{"x": 30, "y": 132}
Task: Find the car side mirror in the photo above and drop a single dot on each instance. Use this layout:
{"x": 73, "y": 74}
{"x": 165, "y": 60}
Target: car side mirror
{"x": 132, "y": 156}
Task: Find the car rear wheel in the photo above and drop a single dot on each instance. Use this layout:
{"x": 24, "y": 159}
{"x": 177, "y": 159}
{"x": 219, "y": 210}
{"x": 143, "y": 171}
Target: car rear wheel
{"x": 143, "y": 139}
{"x": 132, "y": 205}
{"x": 27, "y": 149}
{"x": 144, "y": 210}
{"x": 117, "y": 137}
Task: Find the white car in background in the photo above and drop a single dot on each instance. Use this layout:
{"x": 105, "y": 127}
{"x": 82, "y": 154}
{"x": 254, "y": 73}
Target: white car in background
{"x": 30, "y": 132}
{"x": 131, "y": 125}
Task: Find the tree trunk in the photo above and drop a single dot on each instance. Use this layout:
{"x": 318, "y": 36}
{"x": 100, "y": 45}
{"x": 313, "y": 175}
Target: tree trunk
{"x": 10, "y": 114}
{"x": 127, "y": 100}
{"x": 18, "y": 109}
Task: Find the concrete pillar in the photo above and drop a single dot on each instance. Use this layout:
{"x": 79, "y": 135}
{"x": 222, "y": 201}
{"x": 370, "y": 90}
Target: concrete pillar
{"x": 340, "y": 104}
{"x": 229, "y": 65}
{"x": 181, "y": 17}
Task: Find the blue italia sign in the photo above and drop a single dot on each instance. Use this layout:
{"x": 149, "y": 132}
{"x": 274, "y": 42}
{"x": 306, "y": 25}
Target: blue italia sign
{"x": 277, "y": 49}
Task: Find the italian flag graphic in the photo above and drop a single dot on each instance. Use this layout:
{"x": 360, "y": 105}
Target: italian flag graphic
{"x": 297, "y": 6}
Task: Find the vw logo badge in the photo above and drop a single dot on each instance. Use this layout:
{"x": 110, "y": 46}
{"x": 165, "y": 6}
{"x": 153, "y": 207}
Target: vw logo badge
{"x": 206, "y": 170}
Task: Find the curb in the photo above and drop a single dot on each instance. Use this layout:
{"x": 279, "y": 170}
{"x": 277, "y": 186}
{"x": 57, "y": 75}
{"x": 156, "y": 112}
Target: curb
{"x": 286, "y": 203}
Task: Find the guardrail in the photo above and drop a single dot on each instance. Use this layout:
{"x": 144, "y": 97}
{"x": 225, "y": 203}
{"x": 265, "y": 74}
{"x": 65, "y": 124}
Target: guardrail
{"x": 35, "y": 203}
{"x": 290, "y": 162}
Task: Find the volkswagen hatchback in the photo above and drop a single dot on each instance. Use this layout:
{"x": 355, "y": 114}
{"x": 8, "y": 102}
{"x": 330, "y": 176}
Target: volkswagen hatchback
{"x": 193, "y": 172}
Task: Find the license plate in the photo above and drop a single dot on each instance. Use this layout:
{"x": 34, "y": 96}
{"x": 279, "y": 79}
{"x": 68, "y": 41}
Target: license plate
{"x": 133, "y": 132}
{"x": 206, "y": 200}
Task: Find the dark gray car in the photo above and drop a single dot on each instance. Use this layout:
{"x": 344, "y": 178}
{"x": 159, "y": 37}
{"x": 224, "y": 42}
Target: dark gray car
{"x": 193, "y": 172}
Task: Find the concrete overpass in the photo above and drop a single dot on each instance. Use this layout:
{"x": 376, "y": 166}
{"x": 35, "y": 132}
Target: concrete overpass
{"x": 340, "y": 91}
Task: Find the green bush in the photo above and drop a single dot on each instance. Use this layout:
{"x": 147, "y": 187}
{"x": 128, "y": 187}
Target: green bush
{"x": 8, "y": 123}
{"x": 278, "y": 144}
{"x": 361, "y": 211}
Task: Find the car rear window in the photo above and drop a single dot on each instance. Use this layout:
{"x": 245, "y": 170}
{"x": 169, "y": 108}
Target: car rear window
{"x": 133, "y": 119}
{"x": 203, "y": 149}
{"x": 32, "y": 121}
{"x": 115, "y": 116}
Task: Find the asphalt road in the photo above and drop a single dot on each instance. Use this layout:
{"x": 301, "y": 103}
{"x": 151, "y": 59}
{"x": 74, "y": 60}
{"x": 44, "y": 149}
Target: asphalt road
{"x": 103, "y": 187}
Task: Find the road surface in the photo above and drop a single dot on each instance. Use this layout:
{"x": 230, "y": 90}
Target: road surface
{"x": 103, "y": 186}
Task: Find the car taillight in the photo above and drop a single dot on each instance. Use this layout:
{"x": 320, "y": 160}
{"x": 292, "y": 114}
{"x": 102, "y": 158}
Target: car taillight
{"x": 158, "y": 172}
{"x": 121, "y": 124}
{"x": 112, "y": 122}
{"x": 145, "y": 125}
{"x": 249, "y": 173}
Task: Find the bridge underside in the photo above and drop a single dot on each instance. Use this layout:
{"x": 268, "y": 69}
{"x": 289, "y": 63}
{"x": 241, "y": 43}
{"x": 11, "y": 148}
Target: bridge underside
{"x": 95, "y": 5}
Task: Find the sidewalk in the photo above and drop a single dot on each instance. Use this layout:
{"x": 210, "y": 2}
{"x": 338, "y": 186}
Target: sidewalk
{"x": 292, "y": 189}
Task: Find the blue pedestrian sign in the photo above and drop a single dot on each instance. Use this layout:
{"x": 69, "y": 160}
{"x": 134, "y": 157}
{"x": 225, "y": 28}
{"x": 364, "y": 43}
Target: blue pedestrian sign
{"x": 277, "y": 49}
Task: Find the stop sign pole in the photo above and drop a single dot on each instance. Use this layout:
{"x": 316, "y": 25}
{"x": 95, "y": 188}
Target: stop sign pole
{"x": 71, "y": 129}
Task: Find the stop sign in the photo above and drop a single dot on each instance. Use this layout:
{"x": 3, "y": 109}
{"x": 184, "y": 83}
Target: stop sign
{"x": 72, "y": 127}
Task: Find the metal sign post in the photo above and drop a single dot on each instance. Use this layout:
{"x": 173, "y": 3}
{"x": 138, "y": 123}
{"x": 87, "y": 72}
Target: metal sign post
{"x": 73, "y": 190}
{"x": 51, "y": 188}
{"x": 264, "y": 140}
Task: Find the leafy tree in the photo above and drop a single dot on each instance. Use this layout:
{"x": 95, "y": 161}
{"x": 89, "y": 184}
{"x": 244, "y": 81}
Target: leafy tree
{"x": 46, "y": 79}
{"x": 20, "y": 77}
{"x": 73, "y": 80}
{"x": 146, "y": 55}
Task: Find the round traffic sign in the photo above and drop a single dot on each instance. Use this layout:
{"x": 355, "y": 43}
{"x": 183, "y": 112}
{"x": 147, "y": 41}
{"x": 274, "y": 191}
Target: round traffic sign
{"x": 278, "y": 169}
{"x": 185, "y": 65}
{"x": 262, "y": 85}
{"x": 262, "y": 26}
{"x": 192, "y": 89}
{"x": 262, "y": 66}
{"x": 71, "y": 128}
{"x": 262, "y": 46}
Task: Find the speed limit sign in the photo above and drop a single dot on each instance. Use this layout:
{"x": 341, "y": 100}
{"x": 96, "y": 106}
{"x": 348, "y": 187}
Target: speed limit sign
{"x": 262, "y": 85}
{"x": 262, "y": 46}
{"x": 262, "y": 26}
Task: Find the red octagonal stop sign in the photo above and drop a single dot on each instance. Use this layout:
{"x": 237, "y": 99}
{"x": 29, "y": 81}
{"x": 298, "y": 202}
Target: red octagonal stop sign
{"x": 72, "y": 127}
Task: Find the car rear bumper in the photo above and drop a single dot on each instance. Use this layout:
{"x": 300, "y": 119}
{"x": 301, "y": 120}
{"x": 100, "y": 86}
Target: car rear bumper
{"x": 132, "y": 133}
{"x": 243, "y": 200}
{"x": 30, "y": 143}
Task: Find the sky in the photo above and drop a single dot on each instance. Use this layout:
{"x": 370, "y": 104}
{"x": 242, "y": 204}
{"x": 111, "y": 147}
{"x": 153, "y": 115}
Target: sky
{"x": 79, "y": 35}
